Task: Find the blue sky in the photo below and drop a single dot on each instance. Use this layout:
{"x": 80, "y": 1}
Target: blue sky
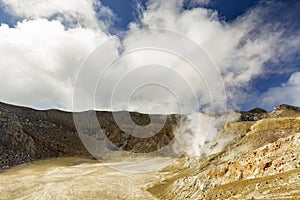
{"x": 228, "y": 10}
{"x": 6, "y": 17}
{"x": 278, "y": 73}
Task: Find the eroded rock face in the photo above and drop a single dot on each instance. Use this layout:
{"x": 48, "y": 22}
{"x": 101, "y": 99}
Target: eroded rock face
{"x": 282, "y": 110}
{"x": 287, "y": 107}
{"x": 262, "y": 155}
{"x": 142, "y": 137}
{"x": 27, "y": 134}
{"x": 253, "y": 115}
{"x": 285, "y": 111}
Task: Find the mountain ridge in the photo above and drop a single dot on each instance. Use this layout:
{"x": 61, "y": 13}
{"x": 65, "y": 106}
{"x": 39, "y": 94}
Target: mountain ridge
{"x": 28, "y": 134}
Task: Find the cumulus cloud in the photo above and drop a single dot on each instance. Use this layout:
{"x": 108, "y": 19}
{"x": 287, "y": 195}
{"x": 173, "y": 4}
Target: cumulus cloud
{"x": 157, "y": 71}
{"x": 242, "y": 48}
{"x": 39, "y": 60}
{"x": 41, "y": 55}
{"x": 46, "y": 48}
{"x": 74, "y": 12}
{"x": 287, "y": 93}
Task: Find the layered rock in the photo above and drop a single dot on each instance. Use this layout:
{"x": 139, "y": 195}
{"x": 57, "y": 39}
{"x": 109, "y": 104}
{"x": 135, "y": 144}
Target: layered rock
{"x": 262, "y": 161}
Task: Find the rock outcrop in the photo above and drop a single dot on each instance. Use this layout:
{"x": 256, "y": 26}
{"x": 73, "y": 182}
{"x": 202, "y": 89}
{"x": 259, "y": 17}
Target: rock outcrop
{"x": 282, "y": 110}
{"x": 253, "y": 115}
{"x": 262, "y": 161}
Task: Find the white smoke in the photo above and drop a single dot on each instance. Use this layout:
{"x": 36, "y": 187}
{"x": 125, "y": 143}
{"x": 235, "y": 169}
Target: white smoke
{"x": 199, "y": 134}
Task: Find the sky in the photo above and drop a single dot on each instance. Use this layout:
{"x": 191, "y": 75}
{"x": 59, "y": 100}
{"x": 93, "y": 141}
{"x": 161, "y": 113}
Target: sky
{"x": 47, "y": 50}
{"x": 127, "y": 12}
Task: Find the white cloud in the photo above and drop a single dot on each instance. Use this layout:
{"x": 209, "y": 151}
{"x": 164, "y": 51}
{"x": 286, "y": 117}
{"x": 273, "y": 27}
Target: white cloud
{"x": 287, "y": 93}
{"x": 242, "y": 48}
{"x": 72, "y": 11}
{"x": 39, "y": 60}
{"x": 46, "y": 49}
{"x": 41, "y": 55}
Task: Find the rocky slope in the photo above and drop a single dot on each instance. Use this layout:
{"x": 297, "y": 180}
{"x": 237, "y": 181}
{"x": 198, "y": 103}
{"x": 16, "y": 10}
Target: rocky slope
{"x": 262, "y": 161}
{"x": 27, "y": 134}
